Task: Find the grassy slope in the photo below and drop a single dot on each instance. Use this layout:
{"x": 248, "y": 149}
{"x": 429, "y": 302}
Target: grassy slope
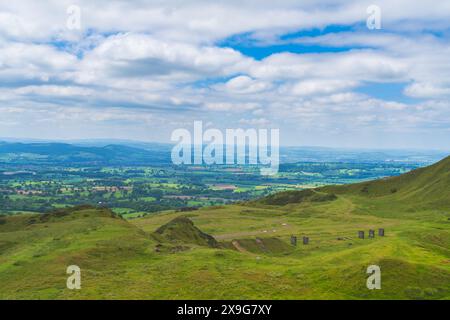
{"x": 118, "y": 259}
{"x": 424, "y": 188}
{"x": 181, "y": 230}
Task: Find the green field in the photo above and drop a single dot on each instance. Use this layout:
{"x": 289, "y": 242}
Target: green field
{"x": 148, "y": 189}
{"x": 157, "y": 257}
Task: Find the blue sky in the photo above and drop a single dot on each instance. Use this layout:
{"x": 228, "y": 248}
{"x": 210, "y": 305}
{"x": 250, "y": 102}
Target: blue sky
{"x": 313, "y": 69}
{"x": 258, "y": 49}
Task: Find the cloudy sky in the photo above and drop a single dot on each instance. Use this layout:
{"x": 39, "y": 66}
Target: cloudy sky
{"x": 140, "y": 69}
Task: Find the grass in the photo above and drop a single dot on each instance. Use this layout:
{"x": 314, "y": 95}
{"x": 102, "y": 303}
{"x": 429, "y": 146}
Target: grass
{"x": 166, "y": 256}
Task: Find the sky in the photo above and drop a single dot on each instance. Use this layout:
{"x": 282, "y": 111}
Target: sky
{"x": 312, "y": 69}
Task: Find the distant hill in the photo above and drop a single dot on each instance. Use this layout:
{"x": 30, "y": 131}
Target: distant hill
{"x": 124, "y": 152}
{"x": 62, "y": 153}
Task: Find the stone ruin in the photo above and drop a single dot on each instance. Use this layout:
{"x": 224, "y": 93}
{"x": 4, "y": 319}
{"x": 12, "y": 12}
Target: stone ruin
{"x": 294, "y": 240}
{"x": 305, "y": 240}
{"x": 371, "y": 233}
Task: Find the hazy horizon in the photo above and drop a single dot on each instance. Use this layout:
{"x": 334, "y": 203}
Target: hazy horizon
{"x": 169, "y": 143}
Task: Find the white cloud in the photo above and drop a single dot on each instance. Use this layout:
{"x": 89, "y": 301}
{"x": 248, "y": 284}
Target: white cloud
{"x": 20, "y": 61}
{"x": 427, "y": 90}
{"x": 255, "y": 122}
{"x": 152, "y": 60}
{"x": 324, "y": 86}
{"x": 244, "y": 85}
{"x": 120, "y": 59}
{"x": 56, "y": 91}
{"x": 227, "y": 106}
{"x": 363, "y": 65}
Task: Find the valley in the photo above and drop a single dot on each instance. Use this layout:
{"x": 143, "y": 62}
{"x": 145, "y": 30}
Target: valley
{"x": 138, "y": 180}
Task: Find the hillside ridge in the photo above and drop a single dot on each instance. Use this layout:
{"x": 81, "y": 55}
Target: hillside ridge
{"x": 428, "y": 185}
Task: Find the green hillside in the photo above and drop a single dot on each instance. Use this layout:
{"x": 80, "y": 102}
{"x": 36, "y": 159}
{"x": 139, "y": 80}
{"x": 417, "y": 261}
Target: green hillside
{"x": 244, "y": 251}
{"x": 287, "y": 197}
{"x": 429, "y": 185}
